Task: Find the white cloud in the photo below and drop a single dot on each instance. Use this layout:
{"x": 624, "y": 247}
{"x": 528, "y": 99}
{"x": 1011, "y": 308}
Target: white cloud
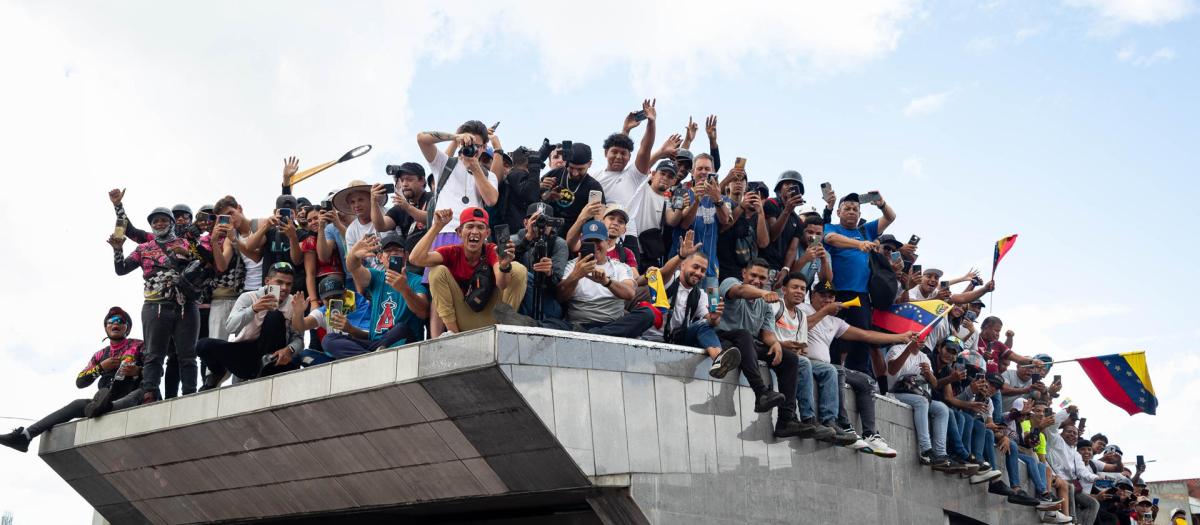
{"x": 1138, "y": 12}
{"x": 1165, "y": 54}
{"x": 927, "y": 103}
{"x": 1126, "y": 52}
{"x": 982, "y": 44}
{"x": 1129, "y": 55}
{"x": 913, "y": 167}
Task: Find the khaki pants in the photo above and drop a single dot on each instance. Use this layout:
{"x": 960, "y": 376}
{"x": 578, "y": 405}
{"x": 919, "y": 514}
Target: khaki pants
{"x": 452, "y": 307}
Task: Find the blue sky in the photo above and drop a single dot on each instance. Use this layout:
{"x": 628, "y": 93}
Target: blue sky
{"x": 1071, "y": 123}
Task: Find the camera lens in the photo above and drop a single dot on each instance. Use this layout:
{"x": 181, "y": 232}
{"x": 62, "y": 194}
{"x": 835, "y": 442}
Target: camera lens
{"x": 469, "y": 150}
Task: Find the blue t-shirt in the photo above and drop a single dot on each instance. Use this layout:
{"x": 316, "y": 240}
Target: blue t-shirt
{"x": 851, "y": 268}
{"x": 388, "y": 307}
{"x": 706, "y": 227}
{"x": 360, "y": 318}
{"x": 331, "y": 232}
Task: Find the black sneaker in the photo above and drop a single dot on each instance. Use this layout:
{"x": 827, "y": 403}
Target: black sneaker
{"x": 984, "y": 467}
{"x": 926, "y": 457}
{"x": 939, "y": 462}
{"x": 970, "y": 467}
{"x": 841, "y": 436}
{"x": 16, "y": 440}
{"x": 504, "y": 314}
{"x": 1047, "y": 501}
{"x": 101, "y": 404}
{"x": 787, "y": 428}
{"x": 1000, "y": 489}
{"x": 818, "y": 431}
{"x": 1022, "y": 499}
{"x": 725, "y": 362}
{"x": 950, "y": 465}
{"x": 768, "y": 400}
{"x": 216, "y": 376}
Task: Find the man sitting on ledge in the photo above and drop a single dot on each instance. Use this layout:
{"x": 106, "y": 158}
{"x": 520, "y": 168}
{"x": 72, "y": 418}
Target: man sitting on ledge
{"x": 594, "y": 290}
{"x": 464, "y": 290}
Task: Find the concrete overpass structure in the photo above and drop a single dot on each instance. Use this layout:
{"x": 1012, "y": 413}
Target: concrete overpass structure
{"x": 499, "y": 425}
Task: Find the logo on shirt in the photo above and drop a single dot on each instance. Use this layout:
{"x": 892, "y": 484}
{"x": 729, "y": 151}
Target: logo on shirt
{"x": 387, "y": 316}
{"x": 566, "y": 198}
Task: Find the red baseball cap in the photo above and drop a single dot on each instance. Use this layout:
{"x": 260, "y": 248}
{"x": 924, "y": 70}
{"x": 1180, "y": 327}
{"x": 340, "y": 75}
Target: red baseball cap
{"x": 472, "y": 214}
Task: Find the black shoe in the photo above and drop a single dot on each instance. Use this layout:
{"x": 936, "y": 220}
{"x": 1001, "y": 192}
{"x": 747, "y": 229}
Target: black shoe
{"x": 725, "y": 362}
{"x": 818, "y": 431}
{"x": 768, "y": 400}
{"x": 101, "y": 405}
{"x": 1049, "y": 498}
{"x": 16, "y": 440}
{"x": 951, "y": 465}
{"x": 939, "y": 462}
{"x": 1022, "y": 499}
{"x": 504, "y": 314}
{"x": 841, "y": 436}
{"x": 1000, "y": 489}
{"x": 217, "y": 376}
{"x": 970, "y": 468}
{"x": 926, "y": 457}
{"x": 787, "y": 428}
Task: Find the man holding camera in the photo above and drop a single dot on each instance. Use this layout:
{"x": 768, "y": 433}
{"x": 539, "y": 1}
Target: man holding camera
{"x": 539, "y": 248}
{"x": 467, "y": 280}
{"x": 570, "y": 187}
{"x": 653, "y": 215}
{"x": 407, "y": 214}
{"x": 520, "y": 187}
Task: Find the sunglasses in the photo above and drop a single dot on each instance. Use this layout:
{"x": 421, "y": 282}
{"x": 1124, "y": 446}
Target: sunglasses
{"x": 115, "y": 320}
{"x": 282, "y": 265}
{"x": 887, "y": 248}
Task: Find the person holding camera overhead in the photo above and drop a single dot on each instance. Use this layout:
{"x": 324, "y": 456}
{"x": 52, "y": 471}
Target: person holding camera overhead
{"x": 539, "y": 248}
{"x": 570, "y": 187}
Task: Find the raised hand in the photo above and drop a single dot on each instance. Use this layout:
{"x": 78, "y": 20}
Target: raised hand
{"x": 290, "y": 166}
{"x": 442, "y": 217}
{"x": 367, "y": 245}
{"x": 710, "y": 127}
{"x": 687, "y": 247}
{"x": 648, "y": 107}
{"x": 115, "y": 196}
{"x": 115, "y": 243}
{"x": 510, "y": 253}
{"x": 771, "y": 297}
{"x": 670, "y": 148}
{"x": 690, "y": 130}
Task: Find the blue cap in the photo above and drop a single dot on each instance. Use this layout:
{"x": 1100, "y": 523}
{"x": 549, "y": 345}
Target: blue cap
{"x": 595, "y": 230}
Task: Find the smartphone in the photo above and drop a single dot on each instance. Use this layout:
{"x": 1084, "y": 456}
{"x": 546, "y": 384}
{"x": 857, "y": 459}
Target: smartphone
{"x": 389, "y": 188}
{"x": 396, "y": 264}
{"x": 873, "y": 196}
{"x": 285, "y": 213}
{"x": 639, "y": 116}
{"x": 1082, "y": 422}
{"x": 1141, "y": 461}
{"x": 908, "y": 266}
{"x": 327, "y": 205}
{"x": 334, "y": 305}
{"x": 914, "y": 240}
{"x": 119, "y": 231}
{"x": 795, "y": 190}
{"x": 1037, "y": 377}
{"x": 826, "y": 190}
{"x": 1057, "y": 379}
{"x": 222, "y": 219}
{"x": 273, "y": 289}
{"x": 945, "y": 285}
{"x": 713, "y": 298}
{"x": 1154, "y": 502}
{"x": 895, "y": 256}
{"x": 917, "y": 268}
{"x": 814, "y": 239}
{"x": 502, "y": 238}
{"x": 739, "y": 163}
{"x": 588, "y": 248}
{"x": 495, "y": 126}
{"x": 595, "y": 195}
{"x": 1048, "y": 412}
{"x": 203, "y": 216}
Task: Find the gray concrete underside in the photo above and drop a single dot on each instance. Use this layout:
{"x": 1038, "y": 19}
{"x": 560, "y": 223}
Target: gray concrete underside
{"x": 502, "y": 425}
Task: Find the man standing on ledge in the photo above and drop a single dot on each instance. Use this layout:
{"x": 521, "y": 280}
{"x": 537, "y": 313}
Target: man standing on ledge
{"x": 455, "y": 275}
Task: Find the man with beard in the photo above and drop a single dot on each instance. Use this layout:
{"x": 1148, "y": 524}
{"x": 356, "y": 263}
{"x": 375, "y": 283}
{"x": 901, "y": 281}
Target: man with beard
{"x": 407, "y": 215}
{"x": 574, "y": 185}
{"x": 453, "y": 269}
{"x": 399, "y": 302}
{"x": 551, "y": 265}
{"x": 650, "y": 217}
{"x": 706, "y": 211}
{"x": 118, "y": 368}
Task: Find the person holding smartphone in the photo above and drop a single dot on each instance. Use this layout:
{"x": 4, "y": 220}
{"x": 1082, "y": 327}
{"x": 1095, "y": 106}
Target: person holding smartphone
{"x": 399, "y": 301}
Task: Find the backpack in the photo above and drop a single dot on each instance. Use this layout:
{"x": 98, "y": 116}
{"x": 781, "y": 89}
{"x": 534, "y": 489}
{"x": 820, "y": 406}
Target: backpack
{"x": 882, "y": 285}
{"x": 677, "y": 335}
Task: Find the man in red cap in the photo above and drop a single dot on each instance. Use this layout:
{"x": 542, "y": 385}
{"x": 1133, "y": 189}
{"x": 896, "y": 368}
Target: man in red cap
{"x": 468, "y": 279}
{"x": 118, "y": 367}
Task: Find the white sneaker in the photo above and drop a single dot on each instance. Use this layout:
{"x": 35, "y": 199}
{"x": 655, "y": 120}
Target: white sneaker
{"x": 1053, "y": 516}
{"x": 879, "y": 447}
{"x": 985, "y": 476}
{"x": 447, "y": 333}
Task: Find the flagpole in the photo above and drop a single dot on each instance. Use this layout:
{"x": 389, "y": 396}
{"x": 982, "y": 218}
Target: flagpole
{"x": 1068, "y": 361}
{"x": 931, "y": 323}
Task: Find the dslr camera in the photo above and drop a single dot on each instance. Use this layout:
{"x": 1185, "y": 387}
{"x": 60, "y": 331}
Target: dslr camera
{"x": 468, "y": 151}
{"x": 393, "y": 170}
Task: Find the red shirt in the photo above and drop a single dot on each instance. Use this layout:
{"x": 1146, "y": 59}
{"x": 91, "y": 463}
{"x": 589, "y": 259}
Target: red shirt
{"x": 454, "y": 258}
{"x": 329, "y": 266}
{"x": 999, "y": 351}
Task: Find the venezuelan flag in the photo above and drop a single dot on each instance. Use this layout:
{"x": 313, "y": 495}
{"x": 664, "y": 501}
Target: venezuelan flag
{"x": 1123, "y": 380}
{"x": 658, "y": 292}
{"x": 1002, "y": 248}
{"x": 906, "y": 317}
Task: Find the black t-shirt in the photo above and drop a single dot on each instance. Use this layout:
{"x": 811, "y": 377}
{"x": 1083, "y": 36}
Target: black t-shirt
{"x": 727, "y": 258}
{"x": 775, "y": 252}
{"x": 404, "y": 221}
{"x": 956, "y": 387}
{"x": 277, "y": 248}
{"x": 574, "y": 196}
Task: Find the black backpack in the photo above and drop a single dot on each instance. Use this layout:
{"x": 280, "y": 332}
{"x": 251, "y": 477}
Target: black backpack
{"x": 882, "y": 286}
{"x": 677, "y": 335}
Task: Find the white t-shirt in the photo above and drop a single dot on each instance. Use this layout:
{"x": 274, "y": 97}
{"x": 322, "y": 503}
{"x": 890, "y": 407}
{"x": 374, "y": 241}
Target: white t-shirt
{"x": 678, "y": 310}
{"x": 911, "y": 364}
{"x": 645, "y": 211}
{"x": 822, "y": 335}
{"x": 593, "y": 302}
{"x": 355, "y": 232}
{"x": 254, "y": 270}
{"x": 620, "y": 186}
{"x": 1010, "y": 376}
{"x": 461, "y": 183}
{"x": 915, "y": 294}
{"x": 790, "y": 326}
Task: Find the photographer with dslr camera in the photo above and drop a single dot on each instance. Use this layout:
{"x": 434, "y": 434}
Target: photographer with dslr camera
{"x": 545, "y": 254}
{"x": 520, "y": 187}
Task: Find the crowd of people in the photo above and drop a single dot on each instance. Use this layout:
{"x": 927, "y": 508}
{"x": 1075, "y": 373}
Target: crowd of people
{"x": 650, "y": 243}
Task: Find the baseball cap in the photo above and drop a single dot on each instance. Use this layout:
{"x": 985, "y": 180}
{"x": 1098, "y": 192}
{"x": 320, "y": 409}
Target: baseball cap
{"x": 1143, "y": 499}
{"x": 412, "y": 168}
{"x": 995, "y": 379}
{"x": 667, "y": 165}
{"x": 546, "y": 210}
{"x": 489, "y": 151}
{"x": 848, "y": 197}
{"x": 1018, "y": 404}
{"x": 684, "y": 156}
{"x": 1123, "y": 481}
{"x": 580, "y": 153}
{"x": 616, "y": 208}
{"x": 978, "y": 303}
{"x": 473, "y": 213}
{"x": 888, "y": 238}
{"x": 934, "y": 271}
{"x": 1112, "y": 448}
{"x": 285, "y": 201}
{"x": 331, "y": 286}
{"x": 595, "y": 230}
{"x": 808, "y": 209}
{"x": 824, "y": 287}
{"x": 391, "y": 237}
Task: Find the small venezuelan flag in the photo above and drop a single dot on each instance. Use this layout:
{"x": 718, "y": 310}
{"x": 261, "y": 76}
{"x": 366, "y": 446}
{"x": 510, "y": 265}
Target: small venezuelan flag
{"x": 1065, "y": 403}
{"x": 906, "y": 317}
{"x": 1002, "y": 248}
{"x": 1123, "y": 380}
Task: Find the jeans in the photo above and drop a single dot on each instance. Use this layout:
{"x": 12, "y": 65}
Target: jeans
{"x": 162, "y": 322}
{"x": 785, "y": 371}
{"x": 955, "y": 443}
{"x": 828, "y": 386}
{"x": 806, "y": 373}
{"x": 923, "y": 410}
{"x": 341, "y": 346}
{"x": 701, "y": 335}
{"x": 550, "y": 306}
{"x": 1037, "y": 472}
{"x": 631, "y": 325}
{"x": 171, "y": 377}
{"x": 857, "y": 354}
{"x": 864, "y": 399}
{"x": 1085, "y": 507}
{"x": 997, "y": 412}
{"x": 244, "y": 358}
